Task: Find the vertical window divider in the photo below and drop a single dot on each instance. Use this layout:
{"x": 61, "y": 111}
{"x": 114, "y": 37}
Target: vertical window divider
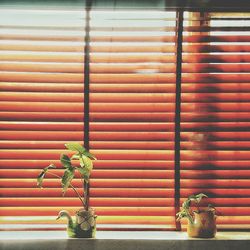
{"x": 177, "y": 120}
{"x": 86, "y": 84}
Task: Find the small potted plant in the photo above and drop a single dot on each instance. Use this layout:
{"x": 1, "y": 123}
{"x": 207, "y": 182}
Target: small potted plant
{"x": 201, "y": 220}
{"x": 85, "y": 219}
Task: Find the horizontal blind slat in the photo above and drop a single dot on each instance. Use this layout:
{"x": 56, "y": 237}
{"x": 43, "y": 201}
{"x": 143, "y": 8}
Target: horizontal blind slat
{"x": 132, "y": 85}
{"x": 214, "y": 125}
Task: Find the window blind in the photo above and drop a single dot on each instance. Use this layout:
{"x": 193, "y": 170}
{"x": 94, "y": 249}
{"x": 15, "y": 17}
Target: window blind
{"x": 42, "y": 86}
{"x": 215, "y": 113}
{"x": 131, "y": 119}
{"x": 132, "y": 97}
{"x": 132, "y": 84}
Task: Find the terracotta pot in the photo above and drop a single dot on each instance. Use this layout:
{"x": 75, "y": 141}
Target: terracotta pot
{"x": 204, "y": 225}
{"x": 85, "y": 224}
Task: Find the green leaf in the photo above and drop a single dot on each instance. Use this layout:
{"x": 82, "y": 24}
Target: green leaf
{"x": 81, "y": 162}
{"x": 181, "y": 214}
{"x": 200, "y": 196}
{"x": 192, "y": 197}
{"x": 67, "y": 178}
{"x": 197, "y": 198}
{"x": 186, "y": 204}
{"x": 89, "y": 155}
{"x": 40, "y": 179}
{"x": 65, "y": 160}
{"x": 41, "y": 176}
{"x": 84, "y": 173}
{"x": 75, "y": 147}
{"x": 87, "y": 163}
{"x": 75, "y": 157}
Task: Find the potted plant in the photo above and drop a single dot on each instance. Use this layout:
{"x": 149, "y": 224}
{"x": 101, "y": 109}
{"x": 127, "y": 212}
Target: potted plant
{"x": 201, "y": 220}
{"x": 84, "y": 225}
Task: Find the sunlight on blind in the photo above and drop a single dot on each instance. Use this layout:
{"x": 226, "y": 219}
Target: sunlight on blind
{"x": 132, "y": 72}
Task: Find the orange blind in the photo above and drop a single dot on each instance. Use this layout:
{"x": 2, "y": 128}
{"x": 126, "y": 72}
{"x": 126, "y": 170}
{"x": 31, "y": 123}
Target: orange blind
{"x": 132, "y": 100}
{"x": 42, "y": 55}
{"x": 132, "y": 97}
{"x": 215, "y": 119}
{"x": 132, "y": 84}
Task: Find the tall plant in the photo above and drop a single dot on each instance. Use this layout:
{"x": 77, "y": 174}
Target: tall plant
{"x": 84, "y": 168}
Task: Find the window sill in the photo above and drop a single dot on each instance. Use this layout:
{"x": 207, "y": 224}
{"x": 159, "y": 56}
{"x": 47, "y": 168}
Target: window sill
{"x": 106, "y": 240}
{"x": 121, "y": 235}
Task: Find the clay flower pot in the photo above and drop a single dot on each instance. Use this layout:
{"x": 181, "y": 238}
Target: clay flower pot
{"x": 204, "y": 225}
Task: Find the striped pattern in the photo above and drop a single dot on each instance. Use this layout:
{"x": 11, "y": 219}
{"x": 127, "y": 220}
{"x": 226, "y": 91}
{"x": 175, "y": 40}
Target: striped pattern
{"x": 132, "y": 111}
{"x": 215, "y": 118}
{"x": 132, "y": 100}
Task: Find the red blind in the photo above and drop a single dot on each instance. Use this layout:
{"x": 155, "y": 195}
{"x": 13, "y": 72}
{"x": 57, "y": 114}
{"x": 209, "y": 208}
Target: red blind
{"x": 215, "y": 113}
{"x": 132, "y": 100}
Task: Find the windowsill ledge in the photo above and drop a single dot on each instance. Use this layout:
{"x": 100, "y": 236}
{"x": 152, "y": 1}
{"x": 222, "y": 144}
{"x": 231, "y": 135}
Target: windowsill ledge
{"x": 121, "y": 235}
{"x": 107, "y": 240}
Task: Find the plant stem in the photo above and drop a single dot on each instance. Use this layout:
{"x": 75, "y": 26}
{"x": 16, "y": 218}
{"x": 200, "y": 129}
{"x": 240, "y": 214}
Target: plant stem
{"x": 190, "y": 218}
{"x": 86, "y": 195}
{"x": 76, "y": 192}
